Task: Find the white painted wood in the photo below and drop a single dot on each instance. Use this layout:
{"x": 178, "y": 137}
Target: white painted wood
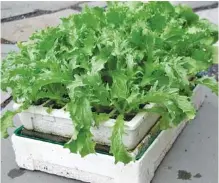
{"x": 96, "y": 168}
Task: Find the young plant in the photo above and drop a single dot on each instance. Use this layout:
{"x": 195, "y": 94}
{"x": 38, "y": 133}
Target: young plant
{"x": 114, "y": 59}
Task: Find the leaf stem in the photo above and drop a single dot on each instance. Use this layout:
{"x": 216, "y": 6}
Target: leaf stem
{"x": 112, "y": 112}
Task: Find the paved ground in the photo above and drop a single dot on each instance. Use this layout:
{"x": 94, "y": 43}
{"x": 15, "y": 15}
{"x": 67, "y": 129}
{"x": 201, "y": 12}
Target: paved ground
{"x": 193, "y": 156}
{"x": 15, "y": 8}
{"x": 196, "y": 149}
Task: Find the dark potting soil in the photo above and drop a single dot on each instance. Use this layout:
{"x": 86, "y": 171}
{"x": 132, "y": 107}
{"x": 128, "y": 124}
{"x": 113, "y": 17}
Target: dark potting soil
{"x": 40, "y": 101}
{"x": 127, "y": 117}
{"x": 107, "y": 110}
{"x": 101, "y": 109}
{"x": 53, "y": 105}
{"x": 48, "y": 103}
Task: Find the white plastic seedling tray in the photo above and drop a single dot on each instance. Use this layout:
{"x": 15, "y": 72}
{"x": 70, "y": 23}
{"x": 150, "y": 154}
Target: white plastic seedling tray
{"x": 58, "y": 122}
{"x": 98, "y": 168}
{"x": 94, "y": 168}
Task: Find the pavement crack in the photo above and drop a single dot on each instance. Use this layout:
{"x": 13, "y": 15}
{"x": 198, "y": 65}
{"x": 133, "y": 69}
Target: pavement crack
{"x": 212, "y": 6}
{"x": 26, "y": 15}
{"x": 39, "y": 12}
{"x": 5, "y": 41}
{"x": 6, "y": 102}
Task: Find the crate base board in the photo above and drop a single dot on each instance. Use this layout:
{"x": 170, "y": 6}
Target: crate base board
{"x": 95, "y": 168}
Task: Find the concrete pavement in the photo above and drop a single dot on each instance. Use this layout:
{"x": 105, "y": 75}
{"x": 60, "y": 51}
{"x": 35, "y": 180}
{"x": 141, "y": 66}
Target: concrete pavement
{"x": 192, "y": 159}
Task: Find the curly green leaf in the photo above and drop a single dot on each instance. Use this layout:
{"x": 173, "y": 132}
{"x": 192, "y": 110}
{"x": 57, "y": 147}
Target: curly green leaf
{"x": 117, "y": 147}
{"x": 7, "y": 122}
{"x": 210, "y": 82}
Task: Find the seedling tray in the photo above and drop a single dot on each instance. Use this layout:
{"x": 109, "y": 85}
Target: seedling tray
{"x": 49, "y": 156}
{"x": 58, "y": 122}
